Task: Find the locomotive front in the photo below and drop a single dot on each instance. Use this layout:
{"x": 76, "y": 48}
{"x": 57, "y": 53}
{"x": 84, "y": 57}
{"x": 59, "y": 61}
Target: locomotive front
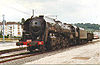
{"x": 35, "y": 30}
{"x": 37, "y": 26}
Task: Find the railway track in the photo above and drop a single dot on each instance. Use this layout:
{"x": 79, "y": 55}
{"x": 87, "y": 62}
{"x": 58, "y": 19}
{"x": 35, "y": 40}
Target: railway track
{"x": 13, "y": 57}
{"x": 21, "y": 55}
{"x": 18, "y": 56}
{"x": 12, "y": 50}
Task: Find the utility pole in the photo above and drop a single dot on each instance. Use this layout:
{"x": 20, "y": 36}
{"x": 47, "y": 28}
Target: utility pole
{"x": 33, "y": 12}
{"x": 3, "y": 27}
{"x": 56, "y": 17}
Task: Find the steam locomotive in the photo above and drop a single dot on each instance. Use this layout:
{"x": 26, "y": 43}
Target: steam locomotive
{"x": 44, "y": 33}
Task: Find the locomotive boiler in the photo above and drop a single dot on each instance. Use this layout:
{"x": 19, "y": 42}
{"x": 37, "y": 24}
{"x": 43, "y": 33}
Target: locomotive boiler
{"x": 44, "y": 33}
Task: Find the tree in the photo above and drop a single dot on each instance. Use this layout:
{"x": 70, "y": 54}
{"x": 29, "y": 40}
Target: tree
{"x": 88, "y": 26}
{"x": 22, "y": 21}
{"x": 1, "y": 32}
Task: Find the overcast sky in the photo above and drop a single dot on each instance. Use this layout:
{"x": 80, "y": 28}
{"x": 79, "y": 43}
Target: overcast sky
{"x": 69, "y": 11}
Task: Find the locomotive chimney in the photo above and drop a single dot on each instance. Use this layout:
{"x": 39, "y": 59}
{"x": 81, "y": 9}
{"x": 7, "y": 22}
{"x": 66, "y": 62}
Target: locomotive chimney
{"x": 41, "y": 16}
{"x": 65, "y": 23}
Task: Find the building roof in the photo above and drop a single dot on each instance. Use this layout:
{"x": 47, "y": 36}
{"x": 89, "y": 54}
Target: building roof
{"x": 9, "y": 23}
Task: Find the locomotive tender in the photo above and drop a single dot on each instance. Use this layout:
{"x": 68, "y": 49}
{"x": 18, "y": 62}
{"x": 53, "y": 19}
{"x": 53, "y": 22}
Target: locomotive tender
{"x": 44, "y": 33}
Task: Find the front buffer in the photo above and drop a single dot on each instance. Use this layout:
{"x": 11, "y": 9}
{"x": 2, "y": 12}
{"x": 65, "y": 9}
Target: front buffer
{"x": 33, "y": 45}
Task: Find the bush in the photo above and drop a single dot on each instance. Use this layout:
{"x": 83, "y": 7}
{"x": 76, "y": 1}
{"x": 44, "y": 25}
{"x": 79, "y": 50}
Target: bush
{"x": 1, "y": 36}
{"x": 15, "y": 37}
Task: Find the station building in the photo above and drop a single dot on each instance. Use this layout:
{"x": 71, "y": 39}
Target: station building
{"x": 11, "y": 29}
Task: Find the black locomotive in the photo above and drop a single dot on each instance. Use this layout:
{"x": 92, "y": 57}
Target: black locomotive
{"x": 43, "y": 33}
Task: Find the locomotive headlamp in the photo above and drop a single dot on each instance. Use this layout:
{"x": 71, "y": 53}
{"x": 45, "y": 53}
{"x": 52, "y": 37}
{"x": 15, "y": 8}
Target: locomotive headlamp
{"x": 40, "y": 42}
{"x": 50, "y": 34}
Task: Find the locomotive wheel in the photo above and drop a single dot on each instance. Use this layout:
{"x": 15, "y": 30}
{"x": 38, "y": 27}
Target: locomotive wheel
{"x": 67, "y": 44}
{"x": 59, "y": 46}
{"x": 54, "y": 48}
{"x": 30, "y": 49}
{"x": 59, "y": 43}
{"x": 48, "y": 44}
{"x": 64, "y": 43}
{"x": 42, "y": 48}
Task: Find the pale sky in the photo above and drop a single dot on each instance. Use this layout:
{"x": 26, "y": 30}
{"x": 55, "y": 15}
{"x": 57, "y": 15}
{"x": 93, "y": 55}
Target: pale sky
{"x": 69, "y": 11}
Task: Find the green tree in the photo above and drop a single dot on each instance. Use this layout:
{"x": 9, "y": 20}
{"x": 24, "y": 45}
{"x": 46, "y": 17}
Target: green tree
{"x": 22, "y": 21}
{"x": 88, "y": 26}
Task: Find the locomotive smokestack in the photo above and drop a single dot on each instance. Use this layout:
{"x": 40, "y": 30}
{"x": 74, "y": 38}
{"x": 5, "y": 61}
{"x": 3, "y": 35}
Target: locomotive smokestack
{"x": 65, "y": 23}
{"x": 41, "y": 16}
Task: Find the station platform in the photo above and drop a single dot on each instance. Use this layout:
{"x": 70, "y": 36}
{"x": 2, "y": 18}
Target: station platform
{"x": 8, "y": 45}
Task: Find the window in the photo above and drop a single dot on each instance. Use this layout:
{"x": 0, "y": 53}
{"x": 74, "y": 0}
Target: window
{"x": 10, "y": 28}
{"x": 19, "y": 33}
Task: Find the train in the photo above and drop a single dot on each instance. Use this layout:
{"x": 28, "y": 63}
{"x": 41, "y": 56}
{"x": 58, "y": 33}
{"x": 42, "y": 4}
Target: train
{"x": 43, "y": 33}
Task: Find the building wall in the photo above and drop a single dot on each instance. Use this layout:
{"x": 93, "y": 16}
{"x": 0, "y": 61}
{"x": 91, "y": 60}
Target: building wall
{"x": 12, "y": 30}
